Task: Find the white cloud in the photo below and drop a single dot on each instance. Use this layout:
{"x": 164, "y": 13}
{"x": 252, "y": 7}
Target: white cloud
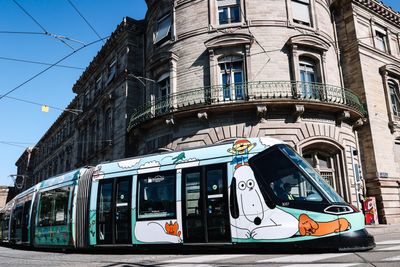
{"x": 151, "y": 166}
{"x": 268, "y": 141}
{"x": 193, "y": 162}
{"x": 128, "y": 164}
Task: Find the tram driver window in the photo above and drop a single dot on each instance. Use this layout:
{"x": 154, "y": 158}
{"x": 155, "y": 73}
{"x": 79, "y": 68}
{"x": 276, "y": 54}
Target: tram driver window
{"x": 286, "y": 180}
{"x": 156, "y": 195}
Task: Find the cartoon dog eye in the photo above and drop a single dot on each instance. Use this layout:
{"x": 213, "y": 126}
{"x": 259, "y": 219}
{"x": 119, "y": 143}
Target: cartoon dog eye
{"x": 250, "y": 184}
{"x": 242, "y": 186}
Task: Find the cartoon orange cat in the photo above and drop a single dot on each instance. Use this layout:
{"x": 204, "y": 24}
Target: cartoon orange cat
{"x": 172, "y": 228}
{"x": 308, "y": 226}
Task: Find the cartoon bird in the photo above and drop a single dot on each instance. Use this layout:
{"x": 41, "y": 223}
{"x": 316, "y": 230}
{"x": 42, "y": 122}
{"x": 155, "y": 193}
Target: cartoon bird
{"x": 241, "y": 149}
{"x": 181, "y": 156}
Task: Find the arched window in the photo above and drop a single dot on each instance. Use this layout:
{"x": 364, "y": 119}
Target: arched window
{"x": 327, "y": 160}
{"x": 395, "y": 97}
{"x": 231, "y": 77}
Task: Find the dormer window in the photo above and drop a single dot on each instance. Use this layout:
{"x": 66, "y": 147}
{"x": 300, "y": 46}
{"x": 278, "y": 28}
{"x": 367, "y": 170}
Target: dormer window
{"x": 163, "y": 28}
{"x": 228, "y": 11}
{"x": 301, "y": 12}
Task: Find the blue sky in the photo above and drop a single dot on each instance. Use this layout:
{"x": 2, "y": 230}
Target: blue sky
{"x": 23, "y": 124}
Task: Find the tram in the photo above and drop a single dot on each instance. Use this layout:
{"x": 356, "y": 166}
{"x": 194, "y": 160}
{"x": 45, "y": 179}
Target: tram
{"x": 255, "y": 192}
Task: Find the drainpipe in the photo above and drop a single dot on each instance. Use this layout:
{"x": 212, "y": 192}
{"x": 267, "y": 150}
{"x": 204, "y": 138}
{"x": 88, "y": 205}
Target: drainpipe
{"x": 337, "y": 49}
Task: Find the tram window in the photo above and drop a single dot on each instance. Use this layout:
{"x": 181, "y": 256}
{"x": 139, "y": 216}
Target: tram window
{"x": 45, "y": 218}
{"x": 54, "y": 207}
{"x": 286, "y": 180}
{"x": 156, "y": 195}
{"x": 61, "y": 197}
{"x": 17, "y": 216}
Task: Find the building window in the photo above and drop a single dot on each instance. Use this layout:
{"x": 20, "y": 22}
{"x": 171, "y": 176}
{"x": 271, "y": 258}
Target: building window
{"x": 228, "y": 11}
{"x": 301, "y": 12}
{"x": 112, "y": 68}
{"x": 381, "y": 39}
{"x": 92, "y": 134}
{"x": 231, "y": 77}
{"x": 327, "y": 160}
{"x": 108, "y": 127}
{"x": 163, "y": 28}
{"x": 164, "y": 86}
{"x": 308, "y": 78}
{"x": 99, "y": 83}
{"x": 156, "y": 195}
{"x": 394, "y": 97}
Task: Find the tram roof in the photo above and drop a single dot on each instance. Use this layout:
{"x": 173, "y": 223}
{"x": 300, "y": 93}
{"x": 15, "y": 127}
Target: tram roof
{"x": 193, "y": 157}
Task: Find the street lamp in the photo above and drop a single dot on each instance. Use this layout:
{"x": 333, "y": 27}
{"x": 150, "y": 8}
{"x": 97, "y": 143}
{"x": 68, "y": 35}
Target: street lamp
{"x": 19, "y": 180}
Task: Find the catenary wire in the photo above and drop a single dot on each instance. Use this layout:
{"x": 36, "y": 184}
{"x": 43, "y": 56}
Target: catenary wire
{"x": 49, "y": 67}
{"x": 87, "y": 22}
{"x": 41, "y": 26}
{"x": 39, "y": 63}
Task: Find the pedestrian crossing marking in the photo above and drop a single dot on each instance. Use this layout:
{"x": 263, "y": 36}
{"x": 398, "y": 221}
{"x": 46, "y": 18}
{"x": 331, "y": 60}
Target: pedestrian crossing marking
{"x": 323, "y": 265}
{"x": 396, "y": 258}
{"x": 390, "y": 248}
{"x": 304, "y": 258}
{"x": 388, "y": 242}
{"x": 205, "y": 258}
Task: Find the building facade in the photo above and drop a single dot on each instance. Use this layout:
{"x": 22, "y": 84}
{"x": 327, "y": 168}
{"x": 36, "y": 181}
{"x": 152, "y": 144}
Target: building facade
{"x": 368, "y": 33}
{"x": 321, "y": 75}
{"x": 222, "y": 70}
{"x": 92, "y": 127}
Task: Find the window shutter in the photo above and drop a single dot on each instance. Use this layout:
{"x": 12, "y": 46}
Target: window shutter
{"x": 222, "y": 3}
{"x": 301, "y": 11}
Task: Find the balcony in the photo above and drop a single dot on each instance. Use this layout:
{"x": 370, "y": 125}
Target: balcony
{"x": 316, "y": 95}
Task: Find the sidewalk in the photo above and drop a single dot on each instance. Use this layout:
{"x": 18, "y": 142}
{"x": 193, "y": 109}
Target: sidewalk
{"x": 380, "y": 229}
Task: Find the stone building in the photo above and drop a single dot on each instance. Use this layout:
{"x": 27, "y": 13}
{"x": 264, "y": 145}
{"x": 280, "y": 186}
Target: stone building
{"x": 222, "y": 69}
{"x": 92, "y": 128}
{"x": 368, "y": 34}
{"x": 3, "y": 196}
{"x": 322, "y": 75}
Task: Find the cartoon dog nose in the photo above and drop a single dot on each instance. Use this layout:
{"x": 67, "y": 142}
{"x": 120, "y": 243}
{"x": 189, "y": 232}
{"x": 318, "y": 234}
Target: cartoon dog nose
{"x": 257, "y": 221}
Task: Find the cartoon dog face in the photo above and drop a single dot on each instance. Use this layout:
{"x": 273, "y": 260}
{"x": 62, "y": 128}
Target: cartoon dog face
{"x": 246, "y": 196}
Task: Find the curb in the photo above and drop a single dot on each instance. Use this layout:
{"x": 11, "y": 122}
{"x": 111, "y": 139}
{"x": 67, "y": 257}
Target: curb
{"x": 383, "y": 229}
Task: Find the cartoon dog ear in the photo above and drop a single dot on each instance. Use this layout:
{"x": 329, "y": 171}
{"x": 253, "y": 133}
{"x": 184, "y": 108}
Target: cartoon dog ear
{"x": 234, "y": 206}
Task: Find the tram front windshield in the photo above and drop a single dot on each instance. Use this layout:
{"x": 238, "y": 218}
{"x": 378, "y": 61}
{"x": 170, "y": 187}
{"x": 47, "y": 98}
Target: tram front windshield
{"x": 289, "y": 177}
{"x": 306, "y": 167}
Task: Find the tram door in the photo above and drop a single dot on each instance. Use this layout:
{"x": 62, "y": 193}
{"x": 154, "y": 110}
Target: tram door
{"x": 205, "y": 205}
{"x": 114, "y": 211}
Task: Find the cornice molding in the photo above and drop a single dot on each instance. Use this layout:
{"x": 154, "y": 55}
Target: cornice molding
{"x": 230, "y": 39}
{"x": 381, "y": 9}
{"x": 310, "y": 41}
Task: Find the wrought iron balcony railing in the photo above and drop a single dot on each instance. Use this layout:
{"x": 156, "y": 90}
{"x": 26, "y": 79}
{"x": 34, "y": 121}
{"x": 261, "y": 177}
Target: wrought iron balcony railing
{"x": 246, "y": 92}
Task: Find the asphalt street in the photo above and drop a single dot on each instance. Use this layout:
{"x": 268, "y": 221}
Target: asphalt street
{"x": 386, "y": 253}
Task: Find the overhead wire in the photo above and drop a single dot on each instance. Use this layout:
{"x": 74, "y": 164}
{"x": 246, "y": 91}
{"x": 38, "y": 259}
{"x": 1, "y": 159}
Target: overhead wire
{"x": 83, "y": 17}
{"x": 45, "y": 32}
{"x": 49, "y": 67}
{"x": 39, "y": 63}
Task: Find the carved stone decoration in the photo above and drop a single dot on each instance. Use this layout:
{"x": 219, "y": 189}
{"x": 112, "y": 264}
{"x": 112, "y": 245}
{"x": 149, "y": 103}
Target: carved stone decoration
{"x": 262, "y": 112}
{"x": 203, "y": 116}
{"x": 298, "y": 111}
{"x": 341, "y": 117}
{"x": 170, "y": 121}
